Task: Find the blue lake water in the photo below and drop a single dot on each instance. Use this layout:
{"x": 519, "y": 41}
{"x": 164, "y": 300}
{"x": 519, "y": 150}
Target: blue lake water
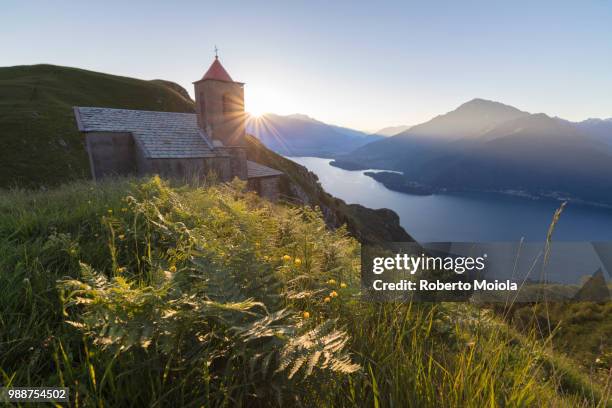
{"x": 473, "y": 217}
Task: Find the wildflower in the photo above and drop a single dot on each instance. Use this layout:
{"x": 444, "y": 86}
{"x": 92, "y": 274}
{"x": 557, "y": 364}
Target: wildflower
{"x": 343, "y": 285}
{"x": 471, "y": 344}
{"x": 297, "y": 261}
{"x": 327, "y": 299}
{"x": 266, "y": 257}
{"x": 124, "y": 209}
{"x": 333, "y": 294}
{"x": 306, "y": 315}
{"x": 286, "y": 258}
{"x": 121, "y": 269}
{"x": 73, "y": 251}
{"x": 173, "y": 269}
{"x": 121, "y": 236}
{"x": 110, "y": 211}
{"x": 331, "y": 282}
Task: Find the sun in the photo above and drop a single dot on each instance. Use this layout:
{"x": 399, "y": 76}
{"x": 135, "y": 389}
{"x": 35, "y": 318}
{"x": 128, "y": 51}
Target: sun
{"x": 255, "y": 111}
{"x": 261, "y": 99}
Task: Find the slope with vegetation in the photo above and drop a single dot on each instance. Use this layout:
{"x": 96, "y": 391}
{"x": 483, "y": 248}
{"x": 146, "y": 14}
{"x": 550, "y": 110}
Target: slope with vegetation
{"x": 42, "y": 147}
{"x": 142, "y": 294}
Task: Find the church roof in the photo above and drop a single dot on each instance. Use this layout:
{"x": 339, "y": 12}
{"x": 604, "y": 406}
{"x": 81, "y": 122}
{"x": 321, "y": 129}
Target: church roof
{"x": 161, "y": 135}
{"x": 255, "y": 170}
{"x": 217, "y": 72}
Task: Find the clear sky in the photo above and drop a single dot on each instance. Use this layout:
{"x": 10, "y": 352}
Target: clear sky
{"x": 359, "y": 64}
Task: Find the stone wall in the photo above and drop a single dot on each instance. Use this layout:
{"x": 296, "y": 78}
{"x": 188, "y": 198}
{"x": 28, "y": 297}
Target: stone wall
{"x": 111, "y": 154}
{"x": 193, "y": 170}
{"x": 220, "y": 110}
{"x": 266, "y": 187}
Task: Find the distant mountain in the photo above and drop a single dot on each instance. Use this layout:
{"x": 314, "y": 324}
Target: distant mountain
{"x": 410, "y": 149}
{"x": 598, "y": 129}
{"x": 301, "y": 135}
{"x": 489, "y": 146}
{"x": 391, "y": 130}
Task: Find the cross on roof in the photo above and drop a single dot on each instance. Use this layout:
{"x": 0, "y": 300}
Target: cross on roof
{"x": 216, "y": 52}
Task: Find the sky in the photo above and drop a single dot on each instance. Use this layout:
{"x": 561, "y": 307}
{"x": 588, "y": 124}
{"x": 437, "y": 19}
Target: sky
{"x": 364, "y": 65}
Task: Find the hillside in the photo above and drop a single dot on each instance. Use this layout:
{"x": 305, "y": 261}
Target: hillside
{"x": 488, "y": 146}
{"x": 302, "y": 186}
{"x": 215, "y": 297}
{"x": 42, "y": 147}
{"x": 300, "y": 135}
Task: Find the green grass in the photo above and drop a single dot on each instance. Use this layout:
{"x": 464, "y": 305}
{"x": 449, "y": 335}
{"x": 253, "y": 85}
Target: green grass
{"x": 42, "y": 147}
{"x": 40, "y": 142}
{"x": 138, "y": 293}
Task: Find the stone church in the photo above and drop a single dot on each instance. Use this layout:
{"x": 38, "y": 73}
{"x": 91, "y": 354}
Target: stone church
{"x": 182, "y": 146}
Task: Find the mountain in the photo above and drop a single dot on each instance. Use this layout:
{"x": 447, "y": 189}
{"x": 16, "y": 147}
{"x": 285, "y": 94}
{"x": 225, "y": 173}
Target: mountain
{"x": 412, "y": 148}
{"x": 42, "y": 148}
{"x": 391, "y": 130}
{"x": 301, "y": 135}
{"x": 485, "y": 145}
{"x": 598, "y": 129}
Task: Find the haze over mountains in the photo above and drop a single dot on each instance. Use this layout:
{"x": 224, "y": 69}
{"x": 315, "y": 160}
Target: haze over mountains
{"x": 301, "y": 135}
{"x": 488, "y": 146}
{"x": 391, "y": 130}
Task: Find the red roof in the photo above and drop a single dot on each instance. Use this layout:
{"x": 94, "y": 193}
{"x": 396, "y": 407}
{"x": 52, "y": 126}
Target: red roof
{"x": 217, "y": 72}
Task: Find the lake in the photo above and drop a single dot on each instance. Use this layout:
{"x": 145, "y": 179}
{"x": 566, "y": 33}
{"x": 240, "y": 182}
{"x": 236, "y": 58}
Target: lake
{"x": 470, "y": 217}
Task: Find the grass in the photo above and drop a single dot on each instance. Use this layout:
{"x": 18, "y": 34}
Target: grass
{"x": 41, "y": 144}
{"x": 135, "y": 292}
{"x": 42, "y": 147}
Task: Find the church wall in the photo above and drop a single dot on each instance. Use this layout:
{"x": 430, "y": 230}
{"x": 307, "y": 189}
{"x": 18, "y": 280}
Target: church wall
{"x": 191, "y": 170}
{"x": 266, "y": 187}
{"x": 111, "y": 154}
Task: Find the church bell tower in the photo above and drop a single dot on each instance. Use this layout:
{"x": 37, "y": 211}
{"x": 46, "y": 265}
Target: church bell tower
{"x": 220, "y": 106}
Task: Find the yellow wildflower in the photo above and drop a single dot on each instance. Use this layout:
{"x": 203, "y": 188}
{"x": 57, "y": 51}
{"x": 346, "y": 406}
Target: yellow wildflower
{"x": 121, "y": 236}
{"x": 286, "y": 258}
{"x": 343, "y": 285}
{"x": 331, "y": 282}
{"x": 306, "y": 315}
{"x": 121, "y": 269}
{"x": 333, "y": 294}
{"x": 124, "y": 209}
{"x": 327, "y": 299}
{"x": 110, "y": 211}
{"x": 297, "y": 261}
{"x": 173, "y": 269}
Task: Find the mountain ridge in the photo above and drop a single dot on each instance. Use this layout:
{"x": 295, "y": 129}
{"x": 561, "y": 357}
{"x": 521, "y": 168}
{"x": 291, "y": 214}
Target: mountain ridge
{"x": 301, "y": 135}
{"x": 485, "y": 145}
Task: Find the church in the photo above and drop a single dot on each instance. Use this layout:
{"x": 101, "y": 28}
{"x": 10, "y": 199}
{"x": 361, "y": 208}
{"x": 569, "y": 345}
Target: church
{"x": 184, "y": 146}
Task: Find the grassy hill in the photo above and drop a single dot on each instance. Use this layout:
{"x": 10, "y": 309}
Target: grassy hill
{"x": 40, "y": 142}
{"x": 134, "y": 292}
{"x": 42, "y": 147}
